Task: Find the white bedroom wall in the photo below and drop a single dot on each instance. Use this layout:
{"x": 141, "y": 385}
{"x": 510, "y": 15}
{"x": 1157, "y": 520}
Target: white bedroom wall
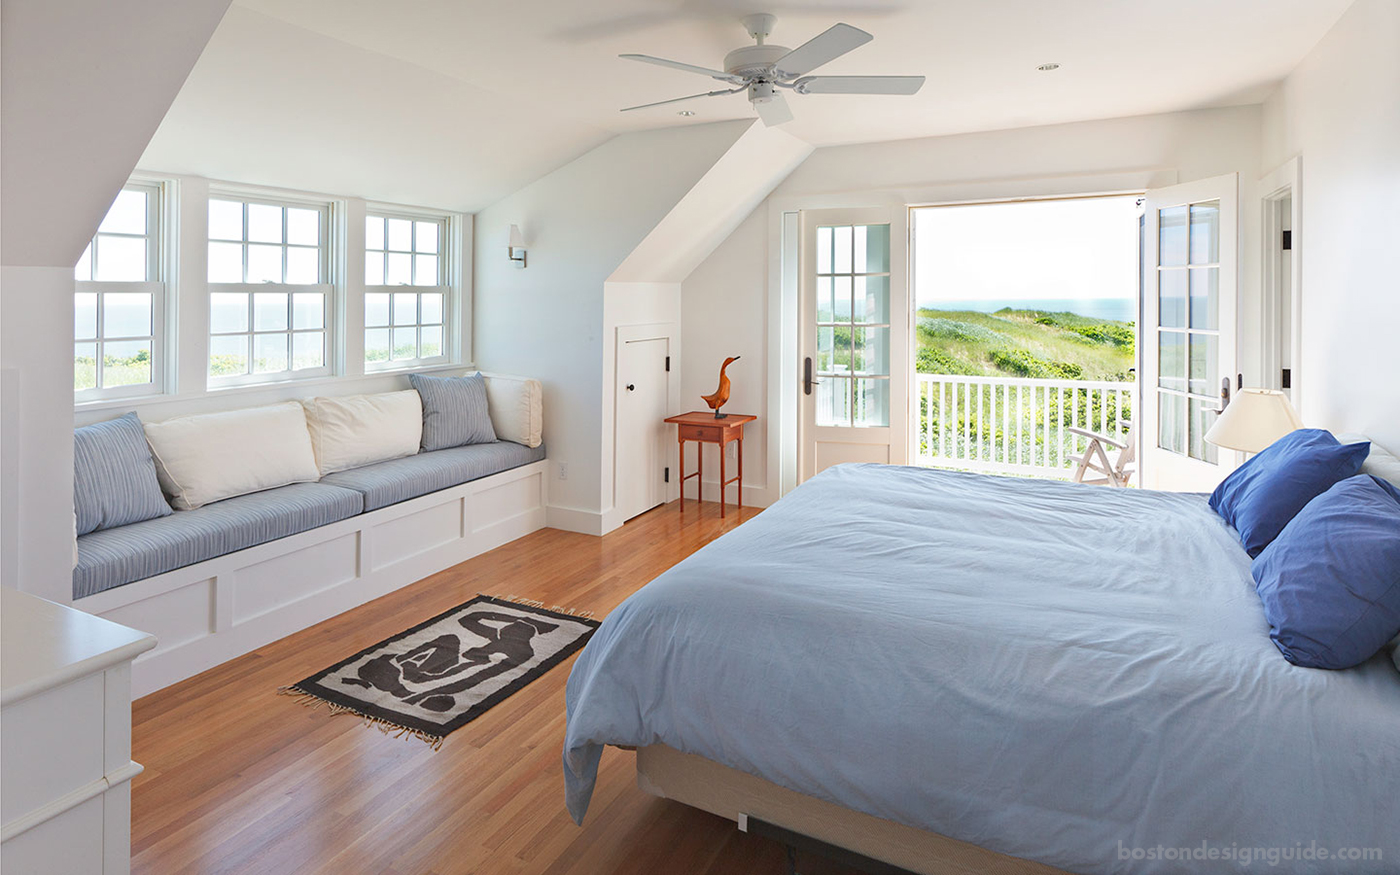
{"x": 1340, "y": 111}
{"x": 83, "y": 85}
{"x": 729, "y": 294}
{"x": 580, "y": 222}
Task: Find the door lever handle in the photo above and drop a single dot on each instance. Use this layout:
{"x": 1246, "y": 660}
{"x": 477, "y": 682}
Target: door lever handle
{"x": 807, "y": 381}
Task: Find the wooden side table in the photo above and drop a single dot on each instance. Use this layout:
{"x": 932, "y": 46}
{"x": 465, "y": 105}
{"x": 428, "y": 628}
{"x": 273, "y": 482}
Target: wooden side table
{"x": 703, "y": 428}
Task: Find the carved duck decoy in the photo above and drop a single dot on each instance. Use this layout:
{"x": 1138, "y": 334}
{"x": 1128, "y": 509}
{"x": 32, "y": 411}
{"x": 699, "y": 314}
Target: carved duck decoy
{"x": 721, "y": 395}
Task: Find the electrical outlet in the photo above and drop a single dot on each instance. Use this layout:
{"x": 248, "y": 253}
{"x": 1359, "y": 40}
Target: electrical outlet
{"x": 563, "y": 468}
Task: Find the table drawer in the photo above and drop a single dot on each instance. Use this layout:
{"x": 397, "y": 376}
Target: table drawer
{"x": 701, "y": 432}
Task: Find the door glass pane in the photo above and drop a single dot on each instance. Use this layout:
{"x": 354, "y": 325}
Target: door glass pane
{"x": 1205, "y": 356}
{"x": 824, "y": 250}
{"x": 841, "y": 249}
{"x": 1171, "y": 422}
{"x": 1172, "y": 303}
{"x": 841, "y": 298}
{"x": 126, "y": 363}
{"x": 1205, "y": 233}
{"x": 1205, "y": 297}
{"x": 1171, "y": 244}
{"x": 1202, "y": 414}
{"x": 826, "y": 308}
{"x": 1171, "y": 360}
{"x": 826, "y": 346}
{"x": 872, "y": 244}
{"x": 872, "y": 403}
{"x": 872, "y": 299}
{"x": 871, "y": 350}
{"x": 841, "y": 354}
{"x": 834, "y": 401}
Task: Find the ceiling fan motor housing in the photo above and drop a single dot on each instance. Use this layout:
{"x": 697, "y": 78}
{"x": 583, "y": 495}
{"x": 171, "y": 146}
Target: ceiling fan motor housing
{"x": 753, "y": 61}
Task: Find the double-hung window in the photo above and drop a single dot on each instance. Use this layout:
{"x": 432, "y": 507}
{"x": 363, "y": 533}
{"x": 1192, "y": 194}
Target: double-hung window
{"x": 270, "y": 293}
{"x": 407, "y": 291}
{"x": 119, "y": 301}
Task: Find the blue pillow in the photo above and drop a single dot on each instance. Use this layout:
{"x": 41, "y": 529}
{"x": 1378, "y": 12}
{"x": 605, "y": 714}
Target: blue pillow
{"x": 1330, "y": 583}
{"x": 1263, "y": 494}
{"x": 114, "y": 476}
{"x": 455, "y": 412}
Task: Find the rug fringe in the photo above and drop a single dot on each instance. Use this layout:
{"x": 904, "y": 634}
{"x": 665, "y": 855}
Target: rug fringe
{"x": 535, "y": 603}
{"x": 388, "y": 727}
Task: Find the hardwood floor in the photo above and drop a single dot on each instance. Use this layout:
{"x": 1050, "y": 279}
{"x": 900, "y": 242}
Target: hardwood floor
{"x": 239, "y": 779}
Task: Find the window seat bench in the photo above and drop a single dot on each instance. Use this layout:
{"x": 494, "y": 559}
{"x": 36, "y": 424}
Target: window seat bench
{"x": 110, "y": 558}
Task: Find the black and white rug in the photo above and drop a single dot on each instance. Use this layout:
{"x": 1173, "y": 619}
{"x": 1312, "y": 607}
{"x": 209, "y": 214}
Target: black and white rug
{"x": 445, "y": 672}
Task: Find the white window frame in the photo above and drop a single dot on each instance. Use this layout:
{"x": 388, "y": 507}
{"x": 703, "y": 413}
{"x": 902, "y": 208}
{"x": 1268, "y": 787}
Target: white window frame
{"x": 448, "y": 285}
{"x": 328, "y": 288}
{"x": 159, "y": 219}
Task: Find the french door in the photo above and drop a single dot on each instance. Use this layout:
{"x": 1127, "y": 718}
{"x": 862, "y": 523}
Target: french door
{"x": 853, "y": 342}
{"x": 1188, "y": 330}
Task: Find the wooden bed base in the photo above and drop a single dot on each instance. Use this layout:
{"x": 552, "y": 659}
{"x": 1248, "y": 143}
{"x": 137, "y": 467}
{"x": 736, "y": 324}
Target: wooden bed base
{"x": 707, "y": 785}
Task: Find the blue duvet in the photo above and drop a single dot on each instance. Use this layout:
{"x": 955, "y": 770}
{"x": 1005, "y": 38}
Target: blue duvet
{"x": 1077, "y": 675}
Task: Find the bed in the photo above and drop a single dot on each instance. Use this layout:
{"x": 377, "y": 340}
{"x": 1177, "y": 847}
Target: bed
{"x": 1076, "y": 677}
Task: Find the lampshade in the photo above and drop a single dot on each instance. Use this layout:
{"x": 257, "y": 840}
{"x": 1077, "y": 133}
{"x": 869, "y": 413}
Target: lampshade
{"x": 517, "y": 240}
{"x": 1253, "y": 420}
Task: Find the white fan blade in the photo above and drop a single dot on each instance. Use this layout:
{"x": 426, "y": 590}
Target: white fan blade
{"x": 679, "y": 99}
{"x": 858, "y": 84}
{"x": 774, "y": 112}
{"x": 689, "y": 68}
{"x": 820, "y": 49}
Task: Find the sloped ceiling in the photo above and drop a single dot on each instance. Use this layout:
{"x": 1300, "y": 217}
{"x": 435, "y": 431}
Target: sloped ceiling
{"x": 455, "y": 103}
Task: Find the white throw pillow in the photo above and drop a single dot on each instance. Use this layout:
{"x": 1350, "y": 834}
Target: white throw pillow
{"x": 1381, "y": 462}
{"x": 516, "y": 406}
{"x": 356, "y": 430}
{"x": 211, "y": 456}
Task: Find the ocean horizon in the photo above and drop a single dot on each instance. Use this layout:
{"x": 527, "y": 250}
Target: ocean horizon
{"x": 1118, "y": 309}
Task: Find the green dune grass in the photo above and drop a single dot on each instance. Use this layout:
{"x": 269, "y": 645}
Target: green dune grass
{"x": 1024, "y": 343}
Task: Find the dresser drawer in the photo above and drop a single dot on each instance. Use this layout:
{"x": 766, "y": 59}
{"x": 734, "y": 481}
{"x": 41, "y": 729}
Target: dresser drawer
{"x": 701, "y": 432}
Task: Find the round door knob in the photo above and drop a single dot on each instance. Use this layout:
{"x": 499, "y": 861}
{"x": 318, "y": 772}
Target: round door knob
{"x": 631, "y": 387}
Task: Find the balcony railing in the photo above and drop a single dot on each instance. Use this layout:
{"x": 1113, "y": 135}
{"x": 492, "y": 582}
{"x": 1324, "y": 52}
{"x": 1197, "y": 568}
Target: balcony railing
{"x": 1015, "y": 426}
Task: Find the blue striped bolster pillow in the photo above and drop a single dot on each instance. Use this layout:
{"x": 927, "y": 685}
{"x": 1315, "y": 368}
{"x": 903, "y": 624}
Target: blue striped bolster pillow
{"x": 114, "y": 476}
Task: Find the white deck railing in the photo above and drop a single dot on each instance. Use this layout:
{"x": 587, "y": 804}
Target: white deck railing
{"x": 1014, "y": 425}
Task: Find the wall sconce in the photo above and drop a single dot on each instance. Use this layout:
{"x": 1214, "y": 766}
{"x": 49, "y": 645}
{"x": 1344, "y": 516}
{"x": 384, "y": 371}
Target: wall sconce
{"x": 516, "y": 249}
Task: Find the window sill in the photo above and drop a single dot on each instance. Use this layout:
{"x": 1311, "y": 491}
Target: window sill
{"x": 275, "y": 391}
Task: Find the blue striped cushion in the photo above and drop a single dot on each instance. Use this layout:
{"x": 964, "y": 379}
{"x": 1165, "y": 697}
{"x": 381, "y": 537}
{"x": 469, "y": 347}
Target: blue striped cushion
{"x": 386, "y": 483}
{"x": 114, "y": 477}
{"x": 455, "y": 412}
{"x": 114, "y": 557}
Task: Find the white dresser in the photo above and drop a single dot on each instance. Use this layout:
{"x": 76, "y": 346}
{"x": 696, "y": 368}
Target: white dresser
{"x": 65, "y": 739}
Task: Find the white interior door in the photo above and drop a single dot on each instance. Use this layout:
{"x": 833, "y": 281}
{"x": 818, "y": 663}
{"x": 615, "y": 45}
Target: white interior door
{"x": 853, "y": 344}
{"x": 639, "y": 466}
{"x": 1189, "y": 363}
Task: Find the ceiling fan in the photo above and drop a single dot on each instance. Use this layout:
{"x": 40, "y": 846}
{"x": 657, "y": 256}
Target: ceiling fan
{"x": 763, "y": 69}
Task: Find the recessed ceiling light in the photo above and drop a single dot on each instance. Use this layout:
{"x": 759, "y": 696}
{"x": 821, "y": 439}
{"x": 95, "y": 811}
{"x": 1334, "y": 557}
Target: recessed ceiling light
{"x": 686, "y": 112}
{"x": 1046, "y": 68}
